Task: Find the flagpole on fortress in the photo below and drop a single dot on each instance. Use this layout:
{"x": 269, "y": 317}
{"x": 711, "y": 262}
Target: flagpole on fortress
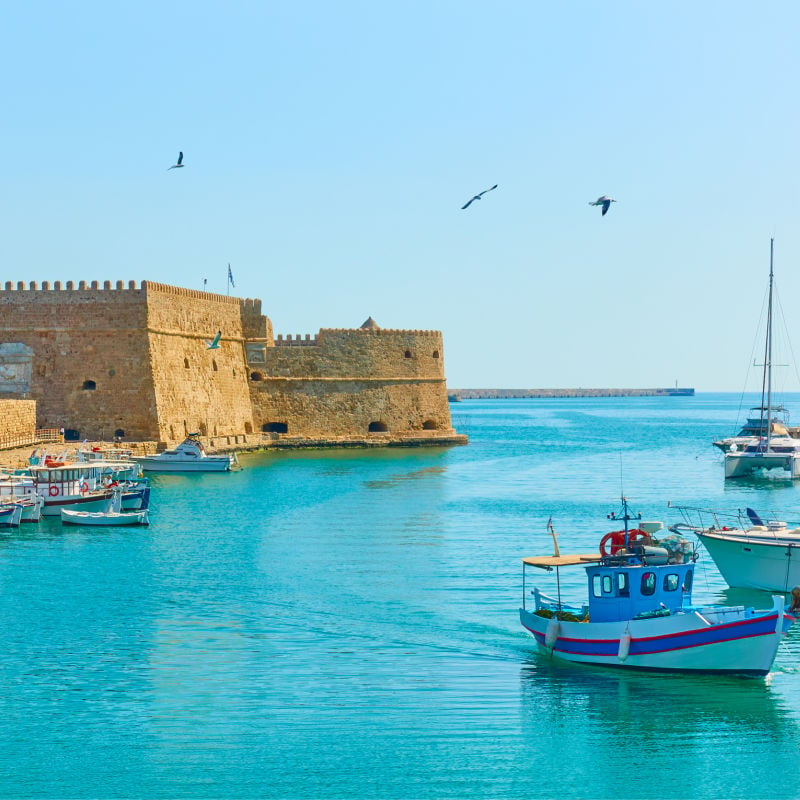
{"x": 230, "y": 280}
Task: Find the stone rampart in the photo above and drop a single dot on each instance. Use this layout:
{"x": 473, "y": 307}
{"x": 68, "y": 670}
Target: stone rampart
{"x": 17, "y": 419}
{"x": 132, "y": 360}
{"x": 352, "y": 383}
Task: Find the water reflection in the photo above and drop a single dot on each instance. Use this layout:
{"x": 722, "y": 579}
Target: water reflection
{"x": 662, "y": 723}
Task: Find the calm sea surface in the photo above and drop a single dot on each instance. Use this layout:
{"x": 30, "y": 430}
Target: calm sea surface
{"x": 344, "y": 624}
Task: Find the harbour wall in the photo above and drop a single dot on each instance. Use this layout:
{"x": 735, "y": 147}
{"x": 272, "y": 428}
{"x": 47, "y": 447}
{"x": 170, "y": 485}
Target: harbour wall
{"x": 493, "y": 394}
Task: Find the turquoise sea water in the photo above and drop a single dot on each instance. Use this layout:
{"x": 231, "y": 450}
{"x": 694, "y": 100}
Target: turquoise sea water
{"x": 343, "y": 624}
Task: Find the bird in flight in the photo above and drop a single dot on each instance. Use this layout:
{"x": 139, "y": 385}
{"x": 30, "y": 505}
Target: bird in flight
{"x": 477, "y": 197}
{"x": 179, "y": 164}
{"x": 214, "y": 343}
{"x": 605, "y": 202}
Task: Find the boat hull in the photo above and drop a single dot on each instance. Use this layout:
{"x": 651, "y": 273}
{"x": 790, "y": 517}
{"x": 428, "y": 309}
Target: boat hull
{"x": 208, "y": 464}
{"x": 104, "y": 518}
{"x": 686, "y": 642}
{"x": 743, "y": 562}
{"x": 97, "y": 501}
{"x": 10, "y": 515}
{"x": 740, "y": 465}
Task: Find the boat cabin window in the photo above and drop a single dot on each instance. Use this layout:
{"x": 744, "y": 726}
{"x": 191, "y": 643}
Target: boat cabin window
{"x": 687, "y": 581}
{"x": 648, "y": 583}
{"x": 602, "y": 585}
{"x": 623, "y": 587}
{"x": 671, "y": 582}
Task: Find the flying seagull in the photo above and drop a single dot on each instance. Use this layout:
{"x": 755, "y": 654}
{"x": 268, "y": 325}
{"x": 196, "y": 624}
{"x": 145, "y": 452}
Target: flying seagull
{"x": 179, "y": 164}
{"x": 605, "y": 202}
{"x": 214, "y": 343}
{"x": 477, "y": 197}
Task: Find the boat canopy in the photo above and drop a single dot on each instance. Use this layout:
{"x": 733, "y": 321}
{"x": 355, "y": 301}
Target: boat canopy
{"x": 548, "y": 562}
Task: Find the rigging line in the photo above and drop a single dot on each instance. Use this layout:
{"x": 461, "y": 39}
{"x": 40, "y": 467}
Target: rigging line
{"x": 788, "y": 338}
{"x": 751, "y": 362}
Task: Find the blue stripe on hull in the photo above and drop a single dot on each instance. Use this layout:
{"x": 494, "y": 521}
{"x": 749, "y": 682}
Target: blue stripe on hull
{"x": 698, "y": 637}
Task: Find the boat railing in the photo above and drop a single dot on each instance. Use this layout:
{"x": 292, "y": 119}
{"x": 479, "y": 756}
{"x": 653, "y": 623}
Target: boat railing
{"x": 705, "y": 519}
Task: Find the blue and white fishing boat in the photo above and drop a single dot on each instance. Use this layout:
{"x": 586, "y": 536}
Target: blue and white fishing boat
{"x": 640, "y": 615}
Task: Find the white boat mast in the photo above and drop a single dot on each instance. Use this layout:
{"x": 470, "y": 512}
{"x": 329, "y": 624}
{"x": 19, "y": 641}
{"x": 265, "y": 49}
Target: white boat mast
{"x": 768, "y": 353}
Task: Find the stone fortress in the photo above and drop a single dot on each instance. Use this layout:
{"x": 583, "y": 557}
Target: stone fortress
{"x": 132, "y": 362}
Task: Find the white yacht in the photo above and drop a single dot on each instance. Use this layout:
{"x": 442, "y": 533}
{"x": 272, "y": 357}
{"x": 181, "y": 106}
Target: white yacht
{"x": 189, "y": 456}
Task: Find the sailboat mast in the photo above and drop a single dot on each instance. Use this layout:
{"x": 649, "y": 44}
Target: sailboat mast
{"x": 768, "y": 359}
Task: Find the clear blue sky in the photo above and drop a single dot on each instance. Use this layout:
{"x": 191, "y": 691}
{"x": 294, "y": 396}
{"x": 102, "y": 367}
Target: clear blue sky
{"x": 329, "y": 148}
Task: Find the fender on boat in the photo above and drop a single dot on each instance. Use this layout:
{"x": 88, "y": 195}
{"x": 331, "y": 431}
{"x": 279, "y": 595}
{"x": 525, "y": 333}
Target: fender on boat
{"x": 551, "y": 635}
{"x": 624, "y": 645}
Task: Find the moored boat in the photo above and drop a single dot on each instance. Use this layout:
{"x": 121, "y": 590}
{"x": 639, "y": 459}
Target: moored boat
{"x": 112, "y": 515}
{"x": 10, "y": 514}
{"x": 749, "y": 552}
{"x": 767, "y": 453}
{"x": 189, "y": 456}
{"x": 74, "y": 485}
{"x": 640, "y": 614}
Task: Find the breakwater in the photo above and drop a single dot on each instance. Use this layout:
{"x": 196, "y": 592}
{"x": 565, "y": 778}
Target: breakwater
{"x": 454, "y": 395}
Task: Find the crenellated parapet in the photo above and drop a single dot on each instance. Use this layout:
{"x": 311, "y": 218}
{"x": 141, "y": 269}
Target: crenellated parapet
{"x": 70, "y": 286}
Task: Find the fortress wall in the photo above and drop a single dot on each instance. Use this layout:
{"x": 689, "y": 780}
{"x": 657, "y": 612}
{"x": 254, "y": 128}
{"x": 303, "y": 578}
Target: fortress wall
{"x": 197, "y": 389}
{"x": 344, "y": 408}
{"x": 79, "y": 335}
{"x": 17, "y": 419}
{"x": 361, "y": 353}
{"x": 352, "y": 378}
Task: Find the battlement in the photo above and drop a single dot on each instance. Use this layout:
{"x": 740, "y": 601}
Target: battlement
{"x": 70, "y": 286}
{"x": 380, "y": 331}
{"x": 247, "y": 304}
{"x": 298, "y": 340}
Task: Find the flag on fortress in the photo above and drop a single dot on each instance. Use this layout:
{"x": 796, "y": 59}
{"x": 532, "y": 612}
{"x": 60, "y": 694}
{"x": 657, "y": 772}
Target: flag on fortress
{"x": 230, "y": 277}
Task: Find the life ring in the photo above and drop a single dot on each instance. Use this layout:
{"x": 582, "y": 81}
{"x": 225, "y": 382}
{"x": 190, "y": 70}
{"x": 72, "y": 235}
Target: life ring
{"x": 53, "y": 491}
{"x": 84, "y": 487}
{"x": 617, "y": 539}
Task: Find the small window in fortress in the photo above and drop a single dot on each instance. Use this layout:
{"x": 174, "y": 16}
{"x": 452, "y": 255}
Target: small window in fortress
{"x": 119, "y": 433}
{"x": 89, "y": 385}
{"x": 377, "y": 427}
{"x": 408, "y": 354}
{"x": 429, "y": 425}
{"x": 275, "y": 427}
{"x": 248, "y": 428}
{"x": 436, "y": 354}
{"x": 186, "y": 363}
{"x": 214, "y": 364}
{"x": 71, "y": 435}
{"x": 256, "y": 376}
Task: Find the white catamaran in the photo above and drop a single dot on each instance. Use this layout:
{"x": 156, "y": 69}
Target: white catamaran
{"x": 768, "y": 452}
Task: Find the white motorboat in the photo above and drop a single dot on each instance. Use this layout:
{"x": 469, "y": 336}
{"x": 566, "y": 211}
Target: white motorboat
{"x": 781, "y": 453}
{"x": 189, "y": 456}
{"x": 112, "y": 515}
{"x": 749, "y": 552}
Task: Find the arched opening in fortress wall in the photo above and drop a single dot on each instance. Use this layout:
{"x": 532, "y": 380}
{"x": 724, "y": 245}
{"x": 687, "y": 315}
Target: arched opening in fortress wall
{"x": 378, "y": 427}
{"x": 430, "y": 425}
{"x": 275, "y": 427}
